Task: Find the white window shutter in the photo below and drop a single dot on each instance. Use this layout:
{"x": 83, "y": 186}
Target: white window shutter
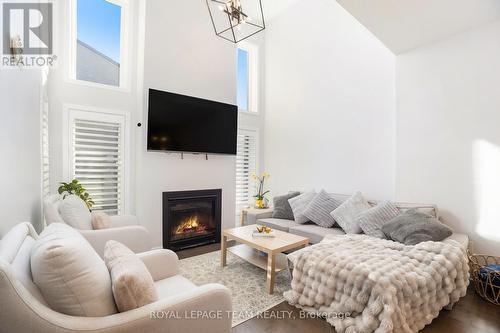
{"x": 45, "y": 151}
{"x": 246, "y": 164}
{"x": 97, "y": 154}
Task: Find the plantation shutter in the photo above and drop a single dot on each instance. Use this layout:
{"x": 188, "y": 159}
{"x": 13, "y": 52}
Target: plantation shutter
{"x": 246, "y": 165}
{"x": 97, "y": 158}
{"x": 45, "y": 151}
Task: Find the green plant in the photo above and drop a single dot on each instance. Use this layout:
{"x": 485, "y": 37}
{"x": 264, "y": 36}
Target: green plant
{"x": 75, "y": 188}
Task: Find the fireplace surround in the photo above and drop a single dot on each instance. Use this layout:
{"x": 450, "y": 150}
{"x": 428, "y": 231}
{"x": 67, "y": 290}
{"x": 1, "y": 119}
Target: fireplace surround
{"x": 191, "y": 218}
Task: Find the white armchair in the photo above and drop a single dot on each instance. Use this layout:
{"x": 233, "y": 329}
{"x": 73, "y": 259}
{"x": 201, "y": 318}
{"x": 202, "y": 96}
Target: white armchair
{"x": 125, "y": 229}
{"x": 24, "y": 310}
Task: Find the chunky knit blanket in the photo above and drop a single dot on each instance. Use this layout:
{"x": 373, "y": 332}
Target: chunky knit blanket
{"x": 363, "y": 284}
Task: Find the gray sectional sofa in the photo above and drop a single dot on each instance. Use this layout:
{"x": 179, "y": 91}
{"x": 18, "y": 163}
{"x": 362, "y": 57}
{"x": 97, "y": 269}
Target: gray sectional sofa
{"x": 316, "y": 233}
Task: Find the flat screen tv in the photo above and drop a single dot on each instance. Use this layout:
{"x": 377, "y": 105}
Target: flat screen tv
{"x": 180, "y": 123}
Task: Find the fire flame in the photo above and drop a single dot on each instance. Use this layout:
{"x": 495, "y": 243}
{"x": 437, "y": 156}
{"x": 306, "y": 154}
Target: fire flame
{"x": 190, "y": 225}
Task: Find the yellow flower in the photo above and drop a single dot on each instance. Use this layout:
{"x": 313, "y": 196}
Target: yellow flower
{"x": 265, "y": 175}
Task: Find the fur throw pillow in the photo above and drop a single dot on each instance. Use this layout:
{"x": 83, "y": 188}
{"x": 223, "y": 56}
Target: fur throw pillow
{"x": 100, "y": 220}
{"x": 132, "y": 283}
{"x": 413, "y": 227}
{"x": 282, "y": 208}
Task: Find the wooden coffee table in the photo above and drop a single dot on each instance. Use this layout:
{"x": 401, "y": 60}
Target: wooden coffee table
{"x": 250, "y": 246}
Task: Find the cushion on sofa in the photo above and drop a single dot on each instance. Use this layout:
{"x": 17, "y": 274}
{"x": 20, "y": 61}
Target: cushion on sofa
{"x": 282, "y": 209}
{"x": 15, "y": 248}
{"x": 372, "y": 220}
{"x": 75, "y": 212}
{"x": 461, "y": 239}
{"x": 133, "y": 285}
{"x": 173, "y": 286}
{"x": 319, "y": 209}
{"x": 100, "y": 220}
{"x": 345, "y": 214}
{"x": 277, "y": 224}
{"x": 314, "y": 232}
{"x": 299, "y": 204}
{"x": 413, "y": 227}
{"x": 12, "y": 241}
{"x": 71, "y": 276}
{"x": 431, "y": 210}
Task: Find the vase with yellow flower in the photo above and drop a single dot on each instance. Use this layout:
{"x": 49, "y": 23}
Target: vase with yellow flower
{"x": 261, "y": 201}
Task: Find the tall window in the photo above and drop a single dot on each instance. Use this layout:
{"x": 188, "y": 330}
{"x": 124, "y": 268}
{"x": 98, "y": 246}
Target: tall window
{"x": 247, "y": 73}
{"x": 246, "y": 164}
{"x": 97, "y": 156}
{"x": 243, "y": 76}
{"x": 97, "y": 41}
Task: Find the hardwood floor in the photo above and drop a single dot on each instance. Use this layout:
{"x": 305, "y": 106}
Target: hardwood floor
{"x": 471, "y": 314}
{"x": 196, "y": 251}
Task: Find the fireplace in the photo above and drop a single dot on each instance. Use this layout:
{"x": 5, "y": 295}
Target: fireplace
{"x": 191, "y": 218}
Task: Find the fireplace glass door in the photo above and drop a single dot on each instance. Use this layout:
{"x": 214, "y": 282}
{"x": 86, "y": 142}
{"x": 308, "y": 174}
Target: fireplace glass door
{"x": 192, "y": 219}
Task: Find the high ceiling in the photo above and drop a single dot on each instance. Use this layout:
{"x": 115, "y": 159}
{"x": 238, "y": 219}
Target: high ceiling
{"x": 403, "y": 25}
{"x": 273, "y": 8}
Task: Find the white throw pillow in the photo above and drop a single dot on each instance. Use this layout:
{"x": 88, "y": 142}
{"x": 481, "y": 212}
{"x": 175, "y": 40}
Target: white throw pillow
{"x": 346, "y": 213}
{"x": 75, "y": 212}
{"x": 372, "y": 220}
{"x": 133, "y": 285}
{"x": 72, "y": 277}
{"x": 100, "y": 220}
{"x": 320, "y": 208}
{"x": 299, "y": 205}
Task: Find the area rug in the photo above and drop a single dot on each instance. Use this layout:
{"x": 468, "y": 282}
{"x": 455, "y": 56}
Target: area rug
{"x": 246, "y": 282}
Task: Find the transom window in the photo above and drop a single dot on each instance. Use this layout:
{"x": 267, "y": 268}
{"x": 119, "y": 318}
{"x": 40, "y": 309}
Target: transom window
{"x": 98, "y": 41}
{"x": 247, "y": 74}
{"x": 243, "y": 79}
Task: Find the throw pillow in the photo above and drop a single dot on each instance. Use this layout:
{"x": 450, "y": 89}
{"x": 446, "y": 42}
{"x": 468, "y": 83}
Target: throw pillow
{"x": 75, "y": 212}
{"x": 282, "y": 209}
{"x": 413, "y": 227}
{"x": 319, "y": 209}
{"x": 71, "y": 276}
{"x": 100, "y": 220}
{"x": 346, "y": 213}
{"x": 299, "y": 204}
{"x": 372, "y": 220}
{"x": 133, "y": 285}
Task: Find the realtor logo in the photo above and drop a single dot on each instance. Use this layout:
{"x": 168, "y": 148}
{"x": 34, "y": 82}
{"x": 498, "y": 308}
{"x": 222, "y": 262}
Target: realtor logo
{"x": 27, "y": 28}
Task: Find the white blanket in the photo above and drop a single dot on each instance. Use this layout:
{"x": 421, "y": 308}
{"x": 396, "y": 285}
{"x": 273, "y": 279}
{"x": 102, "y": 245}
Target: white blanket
{"x": 364, "y": 284}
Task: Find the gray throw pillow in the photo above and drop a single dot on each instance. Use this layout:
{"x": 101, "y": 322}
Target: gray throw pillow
{"x": 319, "y": 209}
{"x": 345, "y": 214}
{"x": 299, "y": 204}
{"x": 282, "y": 209}
{"x": 413, "y": 227}
{"x": 372, "y": 220}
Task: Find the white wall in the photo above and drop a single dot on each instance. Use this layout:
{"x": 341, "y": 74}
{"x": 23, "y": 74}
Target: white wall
{"x": 329, "y": 103}
{"x": 183, "y": 55}
{"x": 448, "y": 137}
{"x": 409, "y": 24}
{"x": 20, "y": 168}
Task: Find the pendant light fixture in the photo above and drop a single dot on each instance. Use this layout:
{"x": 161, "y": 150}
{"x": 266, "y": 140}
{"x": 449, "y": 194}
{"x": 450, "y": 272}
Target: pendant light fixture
{"x": 236, "y": 20}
